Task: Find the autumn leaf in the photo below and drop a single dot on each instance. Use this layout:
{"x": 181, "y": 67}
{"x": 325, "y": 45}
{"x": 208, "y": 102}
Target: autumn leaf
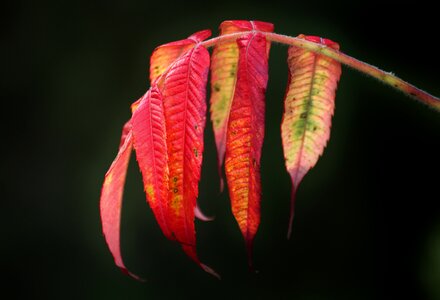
{"x": 162, "y": 60}
{"x": 245, "y": 135}
{"x": 184, "y": 95}
{"x": 308, "y": 109}
{"x": 165, "y": 55}
{"x": 224, "y": 63}
{"x": 111, "y": 198}
{"x": 149, "y": 140}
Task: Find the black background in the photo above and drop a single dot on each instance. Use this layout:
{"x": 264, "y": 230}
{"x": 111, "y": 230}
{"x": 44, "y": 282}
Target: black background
{"x": 367, "y": 224}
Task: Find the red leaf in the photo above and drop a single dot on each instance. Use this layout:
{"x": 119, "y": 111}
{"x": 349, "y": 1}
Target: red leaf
{"x": 149, "y": 140}
{"x": 245, "y": 135}
{"x": 185, "y": 109}
{"x": 245, "y": 25}
{"x": 223, "y": 78}
{"x": 308, "y": 109}
{"x": 160, "y": 62}
{"x": 111, "y": 198}
{"x": 164, "y": 55}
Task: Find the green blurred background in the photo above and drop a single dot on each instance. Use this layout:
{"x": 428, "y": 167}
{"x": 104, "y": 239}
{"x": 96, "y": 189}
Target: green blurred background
{"x": 368, "y": 215}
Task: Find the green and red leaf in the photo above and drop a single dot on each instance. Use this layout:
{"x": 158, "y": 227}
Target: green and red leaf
{"x": 184, "y": 92}
{"x": 224, "y": 63}
{"x": 308, "y": 109}
{"x": 111, "y": 198}
{"x": 245, "y": 135}
{"x": 165, "y": 55}
{"x": 149, "y": 140}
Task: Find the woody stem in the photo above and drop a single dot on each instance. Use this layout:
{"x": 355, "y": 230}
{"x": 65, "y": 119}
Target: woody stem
{"x": 385, "y": 77}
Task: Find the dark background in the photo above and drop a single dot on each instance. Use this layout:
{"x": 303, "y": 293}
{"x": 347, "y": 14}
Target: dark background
{"x": 367, "y": 223}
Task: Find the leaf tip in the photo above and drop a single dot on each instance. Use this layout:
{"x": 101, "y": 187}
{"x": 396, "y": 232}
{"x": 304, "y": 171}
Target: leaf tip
{"x": 220, "y": 175}
{"x": 134, "y": 276}
{"x": 201, "y": 215}
{"x": 289, "y": 229}
{"x": 292, "y": 210}
{"x": 210, "y": 271}
{"x": 249, "y": 253}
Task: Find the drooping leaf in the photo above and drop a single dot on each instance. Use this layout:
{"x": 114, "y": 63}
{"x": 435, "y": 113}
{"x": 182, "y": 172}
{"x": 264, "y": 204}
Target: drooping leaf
{"x": 111, "y": 199}
{"x": 164, "y": 55}
{"x": 224, "y": 63}
{"x": 245, "y": 135}
{"x": 162, "y": 59}
{"x": 149, "y": 141}
{"x": 184, "y": 93}
{"x": 308, "y": 109}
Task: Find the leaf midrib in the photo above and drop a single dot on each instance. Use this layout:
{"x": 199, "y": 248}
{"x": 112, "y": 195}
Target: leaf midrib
{"x": 306, "y": 119}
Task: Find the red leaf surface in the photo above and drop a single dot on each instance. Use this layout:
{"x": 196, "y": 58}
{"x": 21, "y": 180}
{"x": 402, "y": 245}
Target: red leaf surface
{"x": 111, "y": 198}
{"x": 224, "y": 63}
{"x": 184, "y": 92}
{"x": 162, "y": 59}
{"x": 164, "y": 55}
{"x": 308, "y": 109}
{"x": 149, "y": 140}
{"x": 245, "y": 135}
